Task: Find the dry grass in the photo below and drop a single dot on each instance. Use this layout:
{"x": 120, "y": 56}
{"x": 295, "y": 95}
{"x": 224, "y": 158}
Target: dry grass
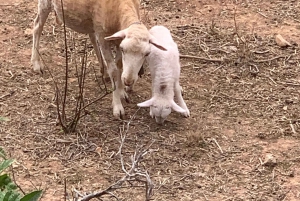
{"x": 244, "y": 106}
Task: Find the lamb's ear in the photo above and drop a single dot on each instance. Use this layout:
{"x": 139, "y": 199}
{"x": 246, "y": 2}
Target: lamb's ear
{"x": 177, "y": 108}
{"x": 154, "y": 42}
{"x": 146, "y": 103}
{"x": 119, "y": 35}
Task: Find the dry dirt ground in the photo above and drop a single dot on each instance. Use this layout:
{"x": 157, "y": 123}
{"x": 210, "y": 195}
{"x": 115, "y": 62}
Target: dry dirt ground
{"x": 240, "y": 143}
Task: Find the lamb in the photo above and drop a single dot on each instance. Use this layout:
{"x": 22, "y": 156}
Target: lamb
{"x": 165, "y": 72}
{"x": 108, "y": 23}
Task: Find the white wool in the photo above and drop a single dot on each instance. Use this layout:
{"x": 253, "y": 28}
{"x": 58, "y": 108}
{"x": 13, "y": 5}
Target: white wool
{"x": 165, "y": 72}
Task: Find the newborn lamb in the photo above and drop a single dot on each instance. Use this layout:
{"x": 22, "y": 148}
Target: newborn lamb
{"x": 165, "y": 72}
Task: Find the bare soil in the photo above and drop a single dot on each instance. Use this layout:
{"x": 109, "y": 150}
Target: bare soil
{"x": 244, "y": 108}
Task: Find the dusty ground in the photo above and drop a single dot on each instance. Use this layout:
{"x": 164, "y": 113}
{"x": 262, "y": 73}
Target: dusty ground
{"x": 243, "y": 109}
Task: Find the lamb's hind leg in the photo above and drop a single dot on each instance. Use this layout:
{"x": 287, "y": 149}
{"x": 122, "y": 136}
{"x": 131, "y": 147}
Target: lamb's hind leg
{"x": 44, "y": 8}
{"x": 181, "y": 103}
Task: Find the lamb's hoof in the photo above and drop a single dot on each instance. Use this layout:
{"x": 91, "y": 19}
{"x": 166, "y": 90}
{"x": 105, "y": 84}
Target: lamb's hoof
{"x": 186, "y": 113}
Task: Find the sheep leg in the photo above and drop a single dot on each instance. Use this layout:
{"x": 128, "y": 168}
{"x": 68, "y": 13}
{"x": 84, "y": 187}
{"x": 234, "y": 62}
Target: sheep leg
{"x": 44, "y": 8}
{"x": 115, "y": 76}
{"x": 99, "y": 56}
{"x": 120, "y": 66}
{"x": 181, "y": 103}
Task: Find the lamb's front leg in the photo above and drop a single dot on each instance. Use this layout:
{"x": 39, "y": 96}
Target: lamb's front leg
{"x": 180, "y": 100}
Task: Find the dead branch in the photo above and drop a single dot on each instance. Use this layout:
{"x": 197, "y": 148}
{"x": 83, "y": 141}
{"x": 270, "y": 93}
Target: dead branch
{"x": 201, "y": 58}
{"x": 67, "y": 63}
{"x": 6, "y": 95}
{"x": 236, "y": 27}
{"x": 135, "y": 173}
{"x": 271, "y": 59}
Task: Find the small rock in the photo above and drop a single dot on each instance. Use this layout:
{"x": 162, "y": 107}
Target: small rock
{"x": 281, "y": 41}
{"x": 98, "y": 150}
{"x": 234, "y": 76}
{"x": 28, "y": 32}
{"x": 270, "y": 160}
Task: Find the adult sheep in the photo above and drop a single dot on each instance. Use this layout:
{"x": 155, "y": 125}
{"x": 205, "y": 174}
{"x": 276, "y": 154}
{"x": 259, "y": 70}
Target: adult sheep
{"x": 108, "y": 22}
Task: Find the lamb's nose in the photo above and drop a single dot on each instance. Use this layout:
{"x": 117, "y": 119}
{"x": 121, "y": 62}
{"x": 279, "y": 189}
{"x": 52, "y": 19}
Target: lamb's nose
{"x": 128, "y": 82}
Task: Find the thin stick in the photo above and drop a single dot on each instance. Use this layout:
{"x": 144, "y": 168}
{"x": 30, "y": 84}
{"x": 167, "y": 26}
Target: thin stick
{"x": 15, "y": 181}
{"x": 57, "y": 93}
{"x": 272, "y": 80}
{"x": 236, "y": 28}
{"x": 292, "y": 127}
{"x": 80, "y": 100}
{"x": 67, "y": 66}
{"x": 218, "y": 145}
{"x": 262, "y": 14}
{"x": 201, "y": 58}
{"x": 5, "y": 95}
{"x": 271, "y": 59}
{"x": 65, "y": 188}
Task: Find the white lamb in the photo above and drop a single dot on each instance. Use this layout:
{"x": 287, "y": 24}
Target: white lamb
{"x": 165, "y": 72}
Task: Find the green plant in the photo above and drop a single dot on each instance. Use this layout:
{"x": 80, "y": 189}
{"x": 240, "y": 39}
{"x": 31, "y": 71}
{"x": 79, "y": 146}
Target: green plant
{"x": 8, "y": 189}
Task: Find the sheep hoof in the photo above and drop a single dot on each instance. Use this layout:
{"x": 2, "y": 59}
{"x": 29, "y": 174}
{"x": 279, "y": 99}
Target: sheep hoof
{"x": 127, "y": 99}
{"x": 118, "y": 111}
{"x": 122, "y": 116}
{"x": 38, "y": 67}
{"x": 129, "y": 89}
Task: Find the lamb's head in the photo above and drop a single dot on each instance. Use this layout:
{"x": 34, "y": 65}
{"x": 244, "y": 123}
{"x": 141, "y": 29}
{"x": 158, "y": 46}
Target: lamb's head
{"x": 135, "y": 46}
{"x": 160, "y": 108}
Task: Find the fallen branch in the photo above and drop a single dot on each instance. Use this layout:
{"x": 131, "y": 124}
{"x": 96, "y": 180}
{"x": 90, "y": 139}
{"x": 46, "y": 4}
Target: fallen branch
{"x": 201, "y": 58}
{"x": 218, "y": 145}
{"x": 271, "y": 59}
{"x": 6, "y": 95}
{"x": 135, "y": 173}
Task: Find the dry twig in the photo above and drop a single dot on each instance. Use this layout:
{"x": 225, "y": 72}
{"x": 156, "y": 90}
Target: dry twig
{"x": 201, "y": 58}
{"x": 135, "y": 173}
{"x": 267, "y": 60}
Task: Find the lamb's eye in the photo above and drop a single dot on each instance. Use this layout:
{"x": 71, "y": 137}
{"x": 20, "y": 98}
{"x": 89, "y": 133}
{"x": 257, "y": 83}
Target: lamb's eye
{"x": 122, "y": 50}
{"x": 147, "y": 54}
{"x": 167, "y": 107}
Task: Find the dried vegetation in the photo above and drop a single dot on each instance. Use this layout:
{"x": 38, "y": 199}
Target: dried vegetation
{"x": 241, "y": 142}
